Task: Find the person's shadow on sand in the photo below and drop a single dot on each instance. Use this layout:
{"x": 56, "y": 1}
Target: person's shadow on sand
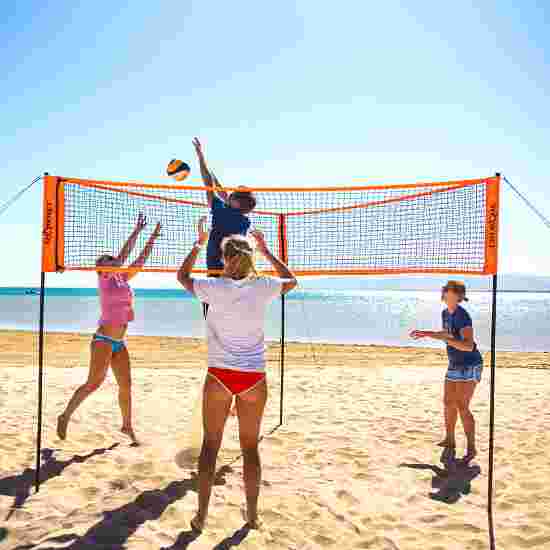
{"x": 450, "y": 482}
{"x": 234, "y": 540}
{"x": 20, "y": 486}
{"x": 118, "y": 525}
{"x": 187, "y": 537}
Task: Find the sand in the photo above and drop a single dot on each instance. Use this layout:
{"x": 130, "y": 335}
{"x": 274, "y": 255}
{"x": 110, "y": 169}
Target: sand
{"x": 353, "y": 466}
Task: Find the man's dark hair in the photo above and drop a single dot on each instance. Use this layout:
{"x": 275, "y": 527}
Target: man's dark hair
{"x": 247, "y": 200}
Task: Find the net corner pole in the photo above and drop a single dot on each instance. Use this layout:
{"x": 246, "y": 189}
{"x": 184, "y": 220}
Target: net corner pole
{"x": 40, "y": 388}
{"x": 40, "y": 380}
{"x": 492, "y": 390}
{"x": 283, "y": 257}
{"x": 490, "y": 482}
{"x": 283, "y": 346}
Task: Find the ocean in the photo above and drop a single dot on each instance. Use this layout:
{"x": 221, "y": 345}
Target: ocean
{"x": 331, "y": 310}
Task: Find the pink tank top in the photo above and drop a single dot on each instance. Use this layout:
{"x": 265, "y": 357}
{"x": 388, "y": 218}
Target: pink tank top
{"x": 116, "y": 298}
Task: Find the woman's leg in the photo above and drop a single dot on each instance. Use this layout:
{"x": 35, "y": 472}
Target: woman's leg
{"x": 120, "y": 363}
{"x": 250, "y": 410}
{"x": 450, "y": 414}
{"x": 465, "y": 392}
{"x": 215, "y": 408}
{"x": 100, "y": 357}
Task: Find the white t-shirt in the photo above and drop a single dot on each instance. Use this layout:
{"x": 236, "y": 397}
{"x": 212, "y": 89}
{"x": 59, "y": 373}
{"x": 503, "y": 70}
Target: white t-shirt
{"x": 235, "y": 320}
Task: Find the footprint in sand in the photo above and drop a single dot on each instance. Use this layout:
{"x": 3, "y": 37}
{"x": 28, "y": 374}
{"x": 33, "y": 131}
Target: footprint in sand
{"x": 377, "y": 543}
{"x": 347, "y": 498}
{"x": 347, "y": 452}
{"x": 323, "y": 540}
{"x": 90, "y": 492}
{"x": 271, "y": 516}
{"x": 531, "y": 485}
{"x": 118, "y": 484}
{"x": 143, "y": 468}
{"x": 433, "y": 518}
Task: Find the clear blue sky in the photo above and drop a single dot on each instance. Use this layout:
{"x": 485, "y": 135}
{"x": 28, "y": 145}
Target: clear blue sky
{"x": 286, "y": 92}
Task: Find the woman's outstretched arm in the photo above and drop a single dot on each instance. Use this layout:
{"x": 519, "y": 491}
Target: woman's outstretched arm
{"x": 467, "y": 344}
{"x": 145, "y": 253}
{"x": 184, "y": 272}
{"x": 130, "y": 244}
{"x": 280, "y": 267}
{"x": 209, "y": 179}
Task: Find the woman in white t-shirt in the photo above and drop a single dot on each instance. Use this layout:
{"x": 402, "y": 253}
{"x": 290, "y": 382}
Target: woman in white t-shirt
{"x": 236, "y": 356}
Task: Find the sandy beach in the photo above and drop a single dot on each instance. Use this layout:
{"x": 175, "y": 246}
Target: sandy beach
{"x": 354, "y": 465}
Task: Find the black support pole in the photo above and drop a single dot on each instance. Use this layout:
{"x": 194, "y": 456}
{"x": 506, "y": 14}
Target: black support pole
{"x": 283, "y": 256}
{"x": 492, "y": 542}
{"x": 40, "y": 380}
{"x": 283, "y": 346}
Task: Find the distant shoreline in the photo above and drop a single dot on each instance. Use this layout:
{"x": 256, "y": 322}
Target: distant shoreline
{"x": 530, "y": 359}
{"x": 69, "y": 350}
{"x": 169, "y": 292}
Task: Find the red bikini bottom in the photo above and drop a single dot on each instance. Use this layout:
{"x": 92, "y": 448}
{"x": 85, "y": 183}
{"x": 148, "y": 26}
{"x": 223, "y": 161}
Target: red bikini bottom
{"x": 236, "y": 381}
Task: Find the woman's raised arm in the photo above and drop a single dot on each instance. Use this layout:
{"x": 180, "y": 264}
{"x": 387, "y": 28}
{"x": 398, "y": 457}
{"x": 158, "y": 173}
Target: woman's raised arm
{"x": 280, "y": 267}
{"x": 184, "y": 272}
{"x": 130, "y": 244}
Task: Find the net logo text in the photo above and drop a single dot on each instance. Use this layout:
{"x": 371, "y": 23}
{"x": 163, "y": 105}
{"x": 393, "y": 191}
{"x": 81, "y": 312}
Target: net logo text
{"x": 492, "y": 226}
{"x": 47, "y": 232}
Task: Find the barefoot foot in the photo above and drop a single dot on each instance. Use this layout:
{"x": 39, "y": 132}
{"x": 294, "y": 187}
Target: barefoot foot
{"x": 62, "y": 423}
{"x": 254, "y": 523}
{"x": 448, "y": 457}
{"x": 130, "y": 433}
{"x": 469, "y": 456}
{"x": 197, "y": 524}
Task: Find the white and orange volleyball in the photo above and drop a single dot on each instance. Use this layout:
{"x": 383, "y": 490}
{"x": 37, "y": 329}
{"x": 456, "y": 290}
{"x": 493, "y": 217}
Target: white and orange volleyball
{"x": 178, "y": 169}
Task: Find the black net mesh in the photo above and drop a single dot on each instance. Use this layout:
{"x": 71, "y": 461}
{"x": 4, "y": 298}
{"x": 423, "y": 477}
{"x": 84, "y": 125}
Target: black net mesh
{"x": 390, "y": 229}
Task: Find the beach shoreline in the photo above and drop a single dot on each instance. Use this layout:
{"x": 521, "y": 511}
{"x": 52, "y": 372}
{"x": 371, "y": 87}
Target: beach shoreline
{"x": 67, "y": 350}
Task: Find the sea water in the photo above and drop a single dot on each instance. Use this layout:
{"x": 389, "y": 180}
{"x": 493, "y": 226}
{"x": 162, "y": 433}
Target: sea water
{"x": 340, "y": 313}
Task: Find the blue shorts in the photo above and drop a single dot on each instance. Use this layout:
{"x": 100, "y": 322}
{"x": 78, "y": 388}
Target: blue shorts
{"x": 471, "y": 373}
{"x": 116, "y": 345}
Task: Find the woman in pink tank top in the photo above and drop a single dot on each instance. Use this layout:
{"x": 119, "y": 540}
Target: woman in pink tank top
{"x": 108, "y": 347}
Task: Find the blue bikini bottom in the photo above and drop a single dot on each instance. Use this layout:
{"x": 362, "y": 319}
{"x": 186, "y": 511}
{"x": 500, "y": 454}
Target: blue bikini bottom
{"x": 116, "y": 345}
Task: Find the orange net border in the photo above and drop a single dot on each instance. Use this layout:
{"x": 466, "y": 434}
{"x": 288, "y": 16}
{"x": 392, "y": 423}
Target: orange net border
{"x": 53, "y": 218}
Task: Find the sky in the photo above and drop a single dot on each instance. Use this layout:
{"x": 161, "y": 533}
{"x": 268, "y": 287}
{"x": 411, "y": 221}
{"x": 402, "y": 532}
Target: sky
{"x": 285, "y": 92}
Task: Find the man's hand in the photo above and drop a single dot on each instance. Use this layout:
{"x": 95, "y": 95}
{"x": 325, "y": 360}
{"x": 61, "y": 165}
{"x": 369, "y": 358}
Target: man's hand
{"x": 197, "y": 145}
{"x": 141, "y": 222}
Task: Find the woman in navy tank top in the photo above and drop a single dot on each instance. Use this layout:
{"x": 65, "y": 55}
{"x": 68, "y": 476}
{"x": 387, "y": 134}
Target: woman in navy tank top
{"x": 464, "y": 370}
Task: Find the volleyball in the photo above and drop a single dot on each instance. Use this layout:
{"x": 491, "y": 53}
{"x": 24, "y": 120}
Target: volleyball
{"x": 178, "y": 169}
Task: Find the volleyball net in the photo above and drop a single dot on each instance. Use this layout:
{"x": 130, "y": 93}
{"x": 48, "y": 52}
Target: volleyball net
{"x": 444, "y": 227}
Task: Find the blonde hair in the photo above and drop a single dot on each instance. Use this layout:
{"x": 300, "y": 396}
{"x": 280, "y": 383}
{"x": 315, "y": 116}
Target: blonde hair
{"x": 239, "y": 249}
